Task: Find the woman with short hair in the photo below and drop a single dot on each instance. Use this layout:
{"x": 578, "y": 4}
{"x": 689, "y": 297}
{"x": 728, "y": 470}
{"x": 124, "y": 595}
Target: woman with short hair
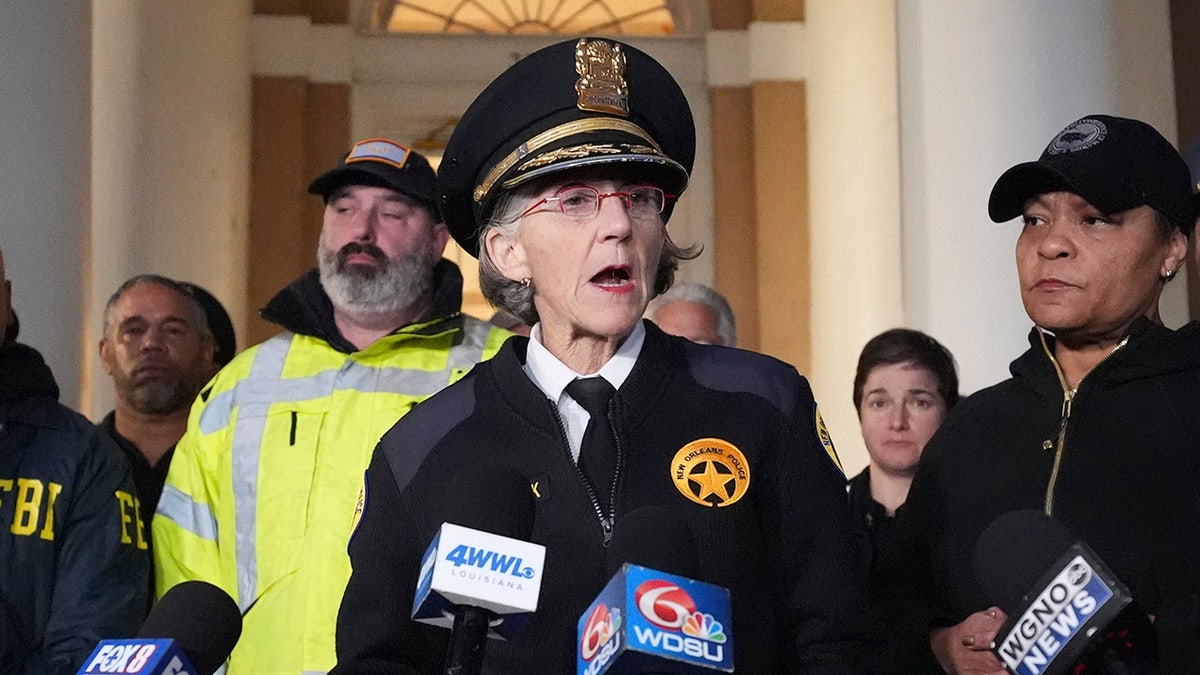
{"x": 561, "y": 176}
{"x": 1097, "y": 426}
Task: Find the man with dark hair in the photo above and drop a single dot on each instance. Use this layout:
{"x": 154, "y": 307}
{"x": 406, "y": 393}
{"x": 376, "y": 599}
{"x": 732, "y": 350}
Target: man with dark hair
{"x": 158, "y": 349}
{"x": 219, "y": 324}
{"x": 73, "y": 562}
{"x": 264, "y": 486}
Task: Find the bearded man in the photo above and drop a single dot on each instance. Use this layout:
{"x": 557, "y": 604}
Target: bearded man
{"x": 159, "y": 351}
{"x": 264, "y": 488}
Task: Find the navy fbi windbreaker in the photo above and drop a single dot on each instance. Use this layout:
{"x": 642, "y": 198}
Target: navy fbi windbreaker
{"x": 73, "y": 561}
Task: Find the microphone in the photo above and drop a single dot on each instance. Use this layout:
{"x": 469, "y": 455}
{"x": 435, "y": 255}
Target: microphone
{"x": 1067, "y": 611}
{"x": 191, "y": 630}
{"x": 651, "y": 617}
{"x": 480, "y": 577}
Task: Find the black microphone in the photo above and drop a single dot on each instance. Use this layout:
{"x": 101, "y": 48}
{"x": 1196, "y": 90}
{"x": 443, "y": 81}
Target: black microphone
{"x": 651, "y": 537}
{"x": 480, "y": 575}
{"x": 192, "y": 629}
{"x": 201, "y": 618}
{"x": 653, "y": 617}
{"x": 1067, "y": 612}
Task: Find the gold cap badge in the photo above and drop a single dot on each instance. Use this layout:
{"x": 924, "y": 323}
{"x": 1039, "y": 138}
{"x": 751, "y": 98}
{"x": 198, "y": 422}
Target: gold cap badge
{"x": 601, "y": 85}
{"x": 711, "y": 472}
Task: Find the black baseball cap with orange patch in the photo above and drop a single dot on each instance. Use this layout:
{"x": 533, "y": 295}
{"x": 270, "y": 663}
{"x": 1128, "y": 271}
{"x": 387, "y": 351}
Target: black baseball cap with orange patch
{"x": 381, "y": 162}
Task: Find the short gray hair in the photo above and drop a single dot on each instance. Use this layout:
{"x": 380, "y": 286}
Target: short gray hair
{"x": 517, "y": 298}
{"x": 690, "y": 291}
{"x": 198, "y": 317}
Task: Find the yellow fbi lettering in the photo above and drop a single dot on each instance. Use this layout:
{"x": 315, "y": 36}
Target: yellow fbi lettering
{"x": 133, "y": 530}
{"x": 27, "y": 504}
{"x": 31, "y": 505}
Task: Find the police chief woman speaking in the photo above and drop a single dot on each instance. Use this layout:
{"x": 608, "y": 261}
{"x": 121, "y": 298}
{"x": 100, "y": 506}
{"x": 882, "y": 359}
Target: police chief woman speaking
{"x": 561, "y": 176}
{"x": 1097, "y": 427}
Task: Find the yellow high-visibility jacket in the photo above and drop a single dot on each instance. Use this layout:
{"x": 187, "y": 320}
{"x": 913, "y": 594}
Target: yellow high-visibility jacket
{"x": 261, "y": 494}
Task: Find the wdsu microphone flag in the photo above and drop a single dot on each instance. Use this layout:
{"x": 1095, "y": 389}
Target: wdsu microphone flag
{"x": 650, "y": 621}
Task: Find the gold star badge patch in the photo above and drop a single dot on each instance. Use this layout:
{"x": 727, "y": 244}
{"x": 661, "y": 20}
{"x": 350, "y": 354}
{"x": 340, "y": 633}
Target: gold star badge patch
{"x": 711, "y": 472}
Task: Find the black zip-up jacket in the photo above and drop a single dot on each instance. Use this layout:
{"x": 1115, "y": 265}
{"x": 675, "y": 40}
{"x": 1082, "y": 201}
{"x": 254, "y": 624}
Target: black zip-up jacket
{"x": 1128, "y": 484}
{"x": 783, "y": 550}
{"x": 73, "y": 569}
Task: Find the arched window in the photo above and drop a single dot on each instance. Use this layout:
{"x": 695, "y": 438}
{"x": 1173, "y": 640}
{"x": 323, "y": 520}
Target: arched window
{"x": 530, "y": 17}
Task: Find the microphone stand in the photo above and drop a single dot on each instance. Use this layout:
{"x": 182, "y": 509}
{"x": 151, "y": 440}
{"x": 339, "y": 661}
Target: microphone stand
{"x": 468, "y": 641}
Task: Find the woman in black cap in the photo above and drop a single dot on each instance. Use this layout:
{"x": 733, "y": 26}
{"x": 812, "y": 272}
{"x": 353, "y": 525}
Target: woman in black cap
{"x": 561, "y": 177}
{"x": 1097, "y": 427}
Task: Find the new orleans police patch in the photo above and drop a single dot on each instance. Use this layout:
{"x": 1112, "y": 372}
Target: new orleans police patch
{"x": 827, "y": 441}
{"x": 711, "y": 472}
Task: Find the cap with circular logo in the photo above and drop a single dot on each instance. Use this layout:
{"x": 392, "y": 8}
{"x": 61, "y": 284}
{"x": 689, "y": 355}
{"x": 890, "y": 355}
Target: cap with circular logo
{"x": 577, "y": 103}
{"x": 1114, "y": 163}
{"x": 380, "y": 162}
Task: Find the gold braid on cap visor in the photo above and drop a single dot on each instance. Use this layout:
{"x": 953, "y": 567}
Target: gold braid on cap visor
{"x": 588, "y": 124}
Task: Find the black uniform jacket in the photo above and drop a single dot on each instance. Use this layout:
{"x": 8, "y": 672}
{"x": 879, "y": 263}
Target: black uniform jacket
{"x": 783, "y": 548}
{"x": 73, "y": 566}
{"x": 1128, "y": 485}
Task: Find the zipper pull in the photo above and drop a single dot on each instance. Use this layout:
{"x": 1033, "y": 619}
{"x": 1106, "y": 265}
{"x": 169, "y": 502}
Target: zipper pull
{"x": 1048, "y": 444}
{"x": 606, "y": 524}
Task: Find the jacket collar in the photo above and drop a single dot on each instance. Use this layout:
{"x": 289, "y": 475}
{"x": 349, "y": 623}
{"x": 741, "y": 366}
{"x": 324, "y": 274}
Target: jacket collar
{"x": 1152, "y": 350}
{"x": 660, "y": 357}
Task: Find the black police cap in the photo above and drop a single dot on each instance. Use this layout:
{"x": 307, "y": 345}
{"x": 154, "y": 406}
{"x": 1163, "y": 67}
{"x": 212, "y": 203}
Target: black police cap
{"x": 577, "y": 103}
{"x": 380, "y": 162}
{"x": 1114, "y": 163}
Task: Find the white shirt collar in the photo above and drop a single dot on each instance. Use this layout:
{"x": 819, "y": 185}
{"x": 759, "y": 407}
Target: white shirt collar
{"x": 552, "y": 376}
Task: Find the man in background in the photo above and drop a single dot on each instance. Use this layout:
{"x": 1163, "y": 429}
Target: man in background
{"x": 696, "y": 312}
{"x": 159, "y": 350}
{"x": 265, "y": 485}
{"x": 73, "y": 561}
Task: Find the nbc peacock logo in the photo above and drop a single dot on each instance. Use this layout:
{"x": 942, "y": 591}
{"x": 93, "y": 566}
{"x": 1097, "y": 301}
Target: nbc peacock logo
{"x": 601, "y": 625}
{"x": 704, "y": 626}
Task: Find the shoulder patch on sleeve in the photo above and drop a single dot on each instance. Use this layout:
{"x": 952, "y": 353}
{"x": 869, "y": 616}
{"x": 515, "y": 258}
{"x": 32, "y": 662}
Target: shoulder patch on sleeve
{"x": 826, "y": 440}
{"x": 359, "y": 507}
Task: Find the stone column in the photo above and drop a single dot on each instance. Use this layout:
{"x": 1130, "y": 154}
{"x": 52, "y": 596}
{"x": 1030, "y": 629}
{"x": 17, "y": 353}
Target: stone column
{"x": 983, "y": 86}
{"x": 170, "y": 155}
{"x": 44, "y": 146}
{"x": 854, "y": 165}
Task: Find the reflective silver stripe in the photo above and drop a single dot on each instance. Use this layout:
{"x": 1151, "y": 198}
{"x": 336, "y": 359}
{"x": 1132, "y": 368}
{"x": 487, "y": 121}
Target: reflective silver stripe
{"x": 406, "y": 381}
{"x": 467, "y": 353}
{"x": 187, "y": 513}
{"x": 264, "y": 386}
{"x": 247, "y": 446}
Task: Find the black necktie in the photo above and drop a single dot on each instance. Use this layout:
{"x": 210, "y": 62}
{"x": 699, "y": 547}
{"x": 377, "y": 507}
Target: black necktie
{"x": 598, "y": 452}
